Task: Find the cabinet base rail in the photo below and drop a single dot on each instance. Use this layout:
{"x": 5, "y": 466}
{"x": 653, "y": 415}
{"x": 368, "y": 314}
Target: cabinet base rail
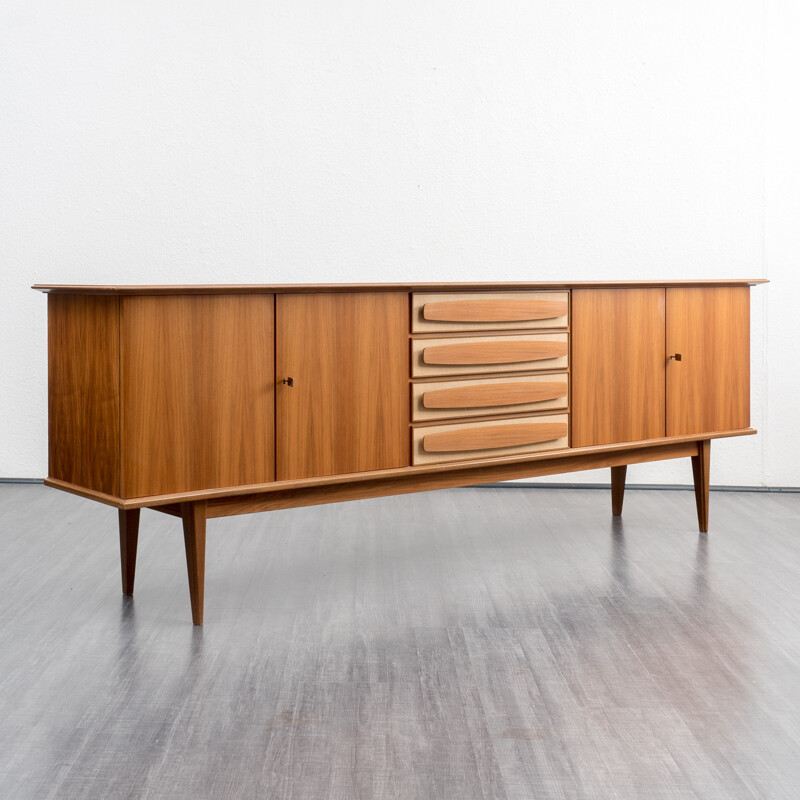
{"x": 195, "y": 513}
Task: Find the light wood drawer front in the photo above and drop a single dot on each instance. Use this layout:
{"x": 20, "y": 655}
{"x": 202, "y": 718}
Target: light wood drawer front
{"x": 467, "y": 355}
{"x": 464, "y": 441}
{"x": 489, "y": 396}
{"x": 465, "y": 311}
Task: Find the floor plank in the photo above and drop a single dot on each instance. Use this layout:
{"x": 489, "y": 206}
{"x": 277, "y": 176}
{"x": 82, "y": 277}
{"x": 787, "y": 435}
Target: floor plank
{"x": 472, "y": 643}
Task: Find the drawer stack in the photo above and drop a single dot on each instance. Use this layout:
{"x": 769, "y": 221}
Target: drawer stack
{"x": 489, "y": 374}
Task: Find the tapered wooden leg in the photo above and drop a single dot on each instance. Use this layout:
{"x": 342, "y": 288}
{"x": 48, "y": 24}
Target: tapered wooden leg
{"x": 617, "y": 489}
{"x": 701, "y": 464}
{"x": 194, "y": 537}
{"x": 128, "y": 541}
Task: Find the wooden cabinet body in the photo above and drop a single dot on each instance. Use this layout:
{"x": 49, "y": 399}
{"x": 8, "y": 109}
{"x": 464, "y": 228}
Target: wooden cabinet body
{"x": 207, "y": 401}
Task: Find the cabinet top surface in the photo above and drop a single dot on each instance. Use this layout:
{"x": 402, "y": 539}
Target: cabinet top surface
{"x": 294, "y": 288}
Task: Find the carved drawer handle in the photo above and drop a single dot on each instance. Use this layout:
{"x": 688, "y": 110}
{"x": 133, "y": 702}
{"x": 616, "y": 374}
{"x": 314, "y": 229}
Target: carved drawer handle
{"x": 492, "y": 437}
{"x": 493, "y": 310}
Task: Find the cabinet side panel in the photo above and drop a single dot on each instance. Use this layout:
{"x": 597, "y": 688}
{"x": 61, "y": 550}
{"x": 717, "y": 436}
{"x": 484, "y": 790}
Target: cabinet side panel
{"x": 709, "y": 388}
{"x": 83, "y": 394}
{"x": 197, "y": 392}
{"x": 348, "y": 410}
{"x": 617, "y": 365}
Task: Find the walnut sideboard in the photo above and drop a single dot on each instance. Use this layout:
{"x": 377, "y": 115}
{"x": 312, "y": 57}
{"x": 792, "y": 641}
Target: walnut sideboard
{"x": 206, "y": 401}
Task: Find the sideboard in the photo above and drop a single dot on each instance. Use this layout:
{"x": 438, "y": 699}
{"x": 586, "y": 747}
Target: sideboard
{"x": 207, "y": 401}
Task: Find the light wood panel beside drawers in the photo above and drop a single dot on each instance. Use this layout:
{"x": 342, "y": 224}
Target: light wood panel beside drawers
{"x": 464, "y": 311}
{"x": 472, "y": 398}
{"x": 474, "y": 355}
{"x": 462, "y": 441}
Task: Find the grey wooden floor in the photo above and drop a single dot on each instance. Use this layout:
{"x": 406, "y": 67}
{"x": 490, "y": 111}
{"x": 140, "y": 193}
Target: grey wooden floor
{"x": 502, "y": 643}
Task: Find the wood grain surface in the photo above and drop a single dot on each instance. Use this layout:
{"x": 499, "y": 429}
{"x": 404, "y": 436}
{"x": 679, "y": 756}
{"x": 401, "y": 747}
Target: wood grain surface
{"x": 459, "y": 311}
{"x": 617, "y": 365}
{"x": 701, "y": 470}
{"x": 473, "y": 355}
{"x": 448, "y": 476}
{"x": 467, "y": 440}
{"x": 128, "y": 544}
{"x": 492, "y": 352}
{"x": 197, "y": 392}
{"x": 296, "y": 288}
{"x": 491, "y": 395}
{"x": 193, "y": 516}
{"x": 492, "y": 436}
{"x": 710, "y": 385}
{"x": 83, "y": 393}
{"x": 464, "y": 398}
{"x": 424, "y": 477}
{"x": 618, "y": 489}
{"x": 348, "y": 409}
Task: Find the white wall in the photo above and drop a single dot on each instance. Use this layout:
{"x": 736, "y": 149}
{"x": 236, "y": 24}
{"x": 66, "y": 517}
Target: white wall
{"x": 781, "y": 424}
{"x": 366, "y": 141}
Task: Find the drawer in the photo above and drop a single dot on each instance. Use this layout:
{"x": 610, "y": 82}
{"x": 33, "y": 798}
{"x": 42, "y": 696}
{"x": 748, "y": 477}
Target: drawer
{"x": 475, "y": 355}
{"x": 466, "y": 311}
{"x": 464, "y": 441}
{"x": 472, "y": 398}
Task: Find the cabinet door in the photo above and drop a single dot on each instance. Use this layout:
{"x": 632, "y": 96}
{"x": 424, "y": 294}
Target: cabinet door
{"x": 197, "y": 385}
{"x": 709, "y": 388}
{"x": 348, "y": 408}
{"x": 617, "y": 365}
